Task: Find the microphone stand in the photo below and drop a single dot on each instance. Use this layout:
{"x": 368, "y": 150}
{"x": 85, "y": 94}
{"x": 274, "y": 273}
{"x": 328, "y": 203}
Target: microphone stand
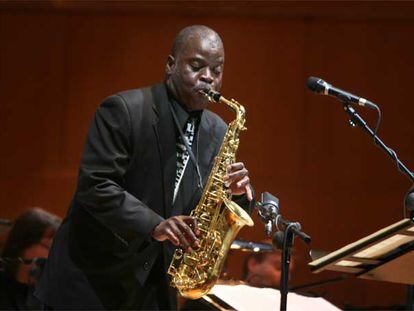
{"x": 357, "y": 120}
{"x": 284, "y": 278}
{"x": 268, "y": 210}
{"x": 292, "y": 229}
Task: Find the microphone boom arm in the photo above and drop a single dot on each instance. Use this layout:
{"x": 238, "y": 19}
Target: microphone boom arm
{"x": 357, "y": 119}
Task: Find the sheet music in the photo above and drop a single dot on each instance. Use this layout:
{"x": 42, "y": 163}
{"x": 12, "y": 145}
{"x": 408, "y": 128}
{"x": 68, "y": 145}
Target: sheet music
{"x": 247, "y": 298}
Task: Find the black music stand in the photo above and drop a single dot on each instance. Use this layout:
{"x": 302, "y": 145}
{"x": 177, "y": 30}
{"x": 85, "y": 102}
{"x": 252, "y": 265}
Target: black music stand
{"x": 386, "y": 255}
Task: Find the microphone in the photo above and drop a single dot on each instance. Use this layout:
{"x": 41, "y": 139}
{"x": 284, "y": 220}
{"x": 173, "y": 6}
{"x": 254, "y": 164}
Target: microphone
{"x": 268, "y": 209}
{"x": 320, "y": 86}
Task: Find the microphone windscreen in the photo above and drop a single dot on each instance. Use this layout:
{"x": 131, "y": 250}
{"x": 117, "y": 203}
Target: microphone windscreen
{"x": 314, "y": 84}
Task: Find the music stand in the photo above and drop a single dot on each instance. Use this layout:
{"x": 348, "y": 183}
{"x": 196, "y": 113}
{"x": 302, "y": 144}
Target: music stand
{"x": 386, "y": 255}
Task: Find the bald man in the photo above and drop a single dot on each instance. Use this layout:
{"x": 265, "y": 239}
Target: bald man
{"x": 137, "y": 185}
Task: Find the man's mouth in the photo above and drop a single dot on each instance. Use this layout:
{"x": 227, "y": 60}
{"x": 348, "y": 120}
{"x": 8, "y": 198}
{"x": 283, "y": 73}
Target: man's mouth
{"x": 203, "y": 92}
{"x": 203, "y": 89}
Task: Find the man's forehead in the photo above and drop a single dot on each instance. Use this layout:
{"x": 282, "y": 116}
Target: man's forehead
{"x": 201, "y": 55}
{"x": 211, "y": 43}
{"x": 199, "y": 43}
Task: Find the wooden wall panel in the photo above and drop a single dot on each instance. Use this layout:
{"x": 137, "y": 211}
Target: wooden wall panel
{"x": 58, "y": 64}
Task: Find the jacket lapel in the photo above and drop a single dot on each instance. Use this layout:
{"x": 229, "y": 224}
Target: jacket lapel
{"x": 165, "y": 133}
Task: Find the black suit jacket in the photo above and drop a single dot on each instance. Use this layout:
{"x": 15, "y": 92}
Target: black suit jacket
{"x": 103, "y": 253}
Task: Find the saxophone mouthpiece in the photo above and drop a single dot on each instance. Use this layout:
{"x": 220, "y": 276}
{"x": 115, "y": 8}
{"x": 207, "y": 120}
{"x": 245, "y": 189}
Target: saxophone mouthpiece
{"x": 213, "y": 95}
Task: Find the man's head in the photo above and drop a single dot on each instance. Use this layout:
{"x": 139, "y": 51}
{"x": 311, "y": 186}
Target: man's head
{"x": 195, "y": 64}
{"x": 264, "y": 269}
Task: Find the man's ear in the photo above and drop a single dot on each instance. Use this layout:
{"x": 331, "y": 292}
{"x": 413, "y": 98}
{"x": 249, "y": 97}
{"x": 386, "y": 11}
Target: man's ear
{"x": 169, "y": 67}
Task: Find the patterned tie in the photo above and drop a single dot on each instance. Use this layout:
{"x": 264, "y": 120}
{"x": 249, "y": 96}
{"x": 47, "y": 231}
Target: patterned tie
{"x": 182, "y": 153}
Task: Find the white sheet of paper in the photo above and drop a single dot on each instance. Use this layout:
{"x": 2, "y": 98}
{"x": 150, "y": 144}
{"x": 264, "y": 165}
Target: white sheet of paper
{"x": 247, "y": 298}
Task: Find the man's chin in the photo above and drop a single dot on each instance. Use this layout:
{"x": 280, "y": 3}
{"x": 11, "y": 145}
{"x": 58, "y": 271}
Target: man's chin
{"x": 199, "y": 103}
{"x": 199, "y": 106}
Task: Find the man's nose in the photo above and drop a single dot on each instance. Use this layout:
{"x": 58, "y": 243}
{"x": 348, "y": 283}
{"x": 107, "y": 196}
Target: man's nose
{"x": 207, "y": 76}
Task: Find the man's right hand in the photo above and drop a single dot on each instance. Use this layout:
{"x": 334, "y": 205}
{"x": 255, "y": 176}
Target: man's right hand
{"x": 180, "y": 230}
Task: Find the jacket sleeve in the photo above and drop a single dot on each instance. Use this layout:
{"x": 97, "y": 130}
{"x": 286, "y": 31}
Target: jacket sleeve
{"x": 106, "y": 157}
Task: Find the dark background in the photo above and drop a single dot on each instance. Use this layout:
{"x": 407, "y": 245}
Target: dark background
{"x": 59, "y": 59}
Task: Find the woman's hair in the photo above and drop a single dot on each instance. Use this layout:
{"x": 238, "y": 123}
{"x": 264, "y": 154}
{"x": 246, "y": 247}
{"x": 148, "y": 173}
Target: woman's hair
{"x": 28, "y": 229}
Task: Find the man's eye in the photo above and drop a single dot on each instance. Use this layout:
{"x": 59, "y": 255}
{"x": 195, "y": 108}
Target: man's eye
{"x": 217, "y": 70}
{"x": 195, "y": 67}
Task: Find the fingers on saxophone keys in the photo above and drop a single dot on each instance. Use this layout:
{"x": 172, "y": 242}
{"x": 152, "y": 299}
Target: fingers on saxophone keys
{"x": 245, "y": 181}
{"x": 194, "y": 226}
{"x": 191, "y": 222}
{"x": 236, "y": 176}
{"x": 235, "y": 167}
{"x": 193, "y": 232}
{"x": 181, "y": 237}
{"x": 171, "y": 236}
{"x": 189, "y": 234}
{"x": 236, "y": 170}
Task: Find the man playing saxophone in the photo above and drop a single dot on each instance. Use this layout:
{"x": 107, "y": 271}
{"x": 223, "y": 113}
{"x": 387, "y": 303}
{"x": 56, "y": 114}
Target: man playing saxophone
{"x": 147, "y": 156}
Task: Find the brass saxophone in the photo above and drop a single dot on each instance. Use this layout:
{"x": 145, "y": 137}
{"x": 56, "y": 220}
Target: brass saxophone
{"x": 219, "y": 219}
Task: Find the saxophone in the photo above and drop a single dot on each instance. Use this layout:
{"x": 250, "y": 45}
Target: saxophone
{"x": 219, "y": 219}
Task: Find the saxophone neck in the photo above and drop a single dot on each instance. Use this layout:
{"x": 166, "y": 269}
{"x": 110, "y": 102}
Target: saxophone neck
{"x": 216, "y": 97}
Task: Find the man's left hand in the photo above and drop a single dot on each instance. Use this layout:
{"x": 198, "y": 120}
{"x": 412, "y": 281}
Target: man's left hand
{"x": 238, "y": 180}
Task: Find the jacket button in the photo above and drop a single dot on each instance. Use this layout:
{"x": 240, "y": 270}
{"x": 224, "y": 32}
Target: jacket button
{"x": 146, "y": 266}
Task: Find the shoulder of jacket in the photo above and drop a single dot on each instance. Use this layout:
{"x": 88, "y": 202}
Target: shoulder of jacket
{"x": 131, "y": 97}
{"x": 133, "y": 100}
